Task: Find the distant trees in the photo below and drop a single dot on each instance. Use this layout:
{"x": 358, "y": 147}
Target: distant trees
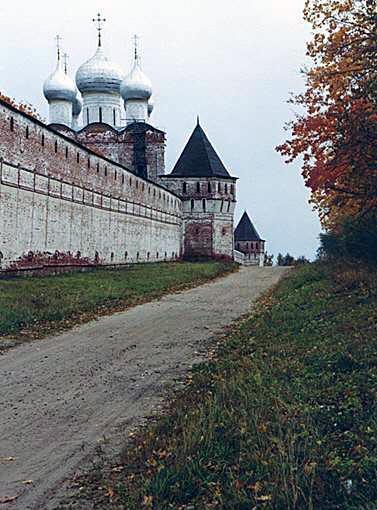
{"x": 22, "y": 107}
{"x": 289, "y": 260}
{"x": 337, "y": 134}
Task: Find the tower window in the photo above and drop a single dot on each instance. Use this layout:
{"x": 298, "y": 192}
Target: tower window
{"x": 198, "y": 187}
{"x": 226, "y": 189}
{"x": 27, "y": 132}
{"x": 219, "y": 187}
{"x": 209, "y": 187}
{"x": 122, "y": 178}
{"x": 87, "y": 115}
{"x": 228, "y": 206}
{"x": 11, "y": 124}
{"x": 88, "y": 162}
{"x": 114, "y": 117}
{"x": 66, "y": 152}
{"x": 232, "y": 189}
{"x": 105, "y": 171}
{"x": 43, "y": 140}
{"x": 222, "y": 206}
{"x": 56, "y": 146}
{"x": 97, "y": 168}
{"x": 192, "y": 205}
{"x": 115, "y": 175}
{"x": 78, "y": 157}
{"x": 184, "y": 187}
{"x": 204, "y": 205}
{"x": 100, "y": 114}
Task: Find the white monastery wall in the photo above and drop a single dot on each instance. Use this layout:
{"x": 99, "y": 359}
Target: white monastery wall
{"x": 58, "y": 196}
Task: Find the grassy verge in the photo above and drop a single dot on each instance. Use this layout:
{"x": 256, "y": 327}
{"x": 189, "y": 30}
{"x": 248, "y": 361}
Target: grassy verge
{"x": 284, "y": 417}
{"x": 35, "y": 306}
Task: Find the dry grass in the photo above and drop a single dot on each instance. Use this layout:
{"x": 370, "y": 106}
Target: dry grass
{"x": 284, "y": 418}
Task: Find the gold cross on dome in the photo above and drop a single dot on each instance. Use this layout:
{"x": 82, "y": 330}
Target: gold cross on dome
{"x": 58, "y": 40}
{"x": 100, "y": 21}
{"x": 65, "y": 60}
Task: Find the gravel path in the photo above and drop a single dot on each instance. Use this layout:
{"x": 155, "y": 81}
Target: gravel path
{"x": 61, "y": 395}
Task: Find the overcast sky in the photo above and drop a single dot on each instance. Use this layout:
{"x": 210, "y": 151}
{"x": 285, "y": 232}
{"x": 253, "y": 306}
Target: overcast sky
{"x": 233, "y": 63}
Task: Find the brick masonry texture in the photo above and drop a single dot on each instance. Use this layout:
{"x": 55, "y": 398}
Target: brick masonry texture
{"x": 208, "y": 210}
{"x": 58, "y": 196}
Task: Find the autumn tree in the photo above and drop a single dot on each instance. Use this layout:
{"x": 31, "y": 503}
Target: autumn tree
{"x": 336, "y": 136}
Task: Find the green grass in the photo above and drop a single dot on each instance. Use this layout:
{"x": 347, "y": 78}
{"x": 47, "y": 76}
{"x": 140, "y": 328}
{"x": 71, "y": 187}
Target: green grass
{"x": 60, "y": 301}
{"x": 284, "y": 417}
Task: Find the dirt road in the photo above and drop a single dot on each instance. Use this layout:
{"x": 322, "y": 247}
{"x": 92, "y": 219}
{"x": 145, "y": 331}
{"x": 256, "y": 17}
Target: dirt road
{"x": 61, "y": 395}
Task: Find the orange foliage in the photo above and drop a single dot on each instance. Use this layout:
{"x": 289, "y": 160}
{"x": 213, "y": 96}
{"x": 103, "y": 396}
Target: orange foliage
{"x": 22, "y": 107}
{"x": 337, "y": 134}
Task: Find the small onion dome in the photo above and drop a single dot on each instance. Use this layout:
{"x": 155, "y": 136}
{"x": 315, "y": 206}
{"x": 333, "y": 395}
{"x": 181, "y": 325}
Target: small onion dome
{"x": 150, "y": 106}
{"x": 136, "y": 85}
{"x": 59, "y": 86}
{"x": 98, "y": 74}
{"x": 77, "y": 105}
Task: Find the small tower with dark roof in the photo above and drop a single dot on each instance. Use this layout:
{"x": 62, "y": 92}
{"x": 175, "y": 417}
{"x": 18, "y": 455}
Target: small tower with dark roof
{"x": 208, "y": 193}
{"x": 248, "y": 241}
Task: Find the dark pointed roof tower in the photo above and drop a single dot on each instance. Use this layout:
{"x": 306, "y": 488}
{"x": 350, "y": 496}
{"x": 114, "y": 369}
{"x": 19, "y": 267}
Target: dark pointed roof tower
{"x": 245, "y": 230}
{"x": 199, "y": 158}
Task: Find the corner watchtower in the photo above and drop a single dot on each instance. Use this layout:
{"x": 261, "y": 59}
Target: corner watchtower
{"x": 208, "y": 193}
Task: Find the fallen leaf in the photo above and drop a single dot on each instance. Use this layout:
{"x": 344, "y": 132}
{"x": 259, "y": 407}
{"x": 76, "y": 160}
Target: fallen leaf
{"x": 110, "y": 492}
{"x": 117, "y": 469}
{"x": 7, "y": 499}
{"x": 148, "y": 501}
{"x": 264, "y": 498}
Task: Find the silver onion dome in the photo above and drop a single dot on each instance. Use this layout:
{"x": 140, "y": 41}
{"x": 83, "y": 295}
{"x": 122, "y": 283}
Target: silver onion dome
{"x": 150, "y": 106}
{"x": 59, "y": 86}
{"x": 99, "y": 74}
{"x": 136, "y": 85}
{"x": 77, "y": 105}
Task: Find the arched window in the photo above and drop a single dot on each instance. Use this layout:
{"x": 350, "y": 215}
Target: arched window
{"x": 209, "y": 187}
{"x": 219, "y": 187}
{"x": 204, "y": 204}
{"x": 43, "y": 140}
{"x": 105, "y": 171}
{"x": 11, "y": 124}
{"x": 198, "y": 187}
{"x": 56, "y": 146}
{"x": 122, "y": 178}
{"x": 66, "y": 153}
{"x": 192, "y": 205}
{"x": 115, "y": 175}
{"x": 78, "y": 157}
{"x": 226, "y": 189}
{"x": 114, "y": 117}
{"x": 27, "y": 132}
{"x": 87, "y": 115}
{"x": 232, "y": 189}
{"x": 100, "y": 113}
{"x": 184, "y": 187}
{"x": 88, "y": 162}
{"x": 97, "y": 168}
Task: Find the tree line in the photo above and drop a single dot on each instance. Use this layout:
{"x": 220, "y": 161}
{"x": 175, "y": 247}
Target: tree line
{"x": 336, "y": 135}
